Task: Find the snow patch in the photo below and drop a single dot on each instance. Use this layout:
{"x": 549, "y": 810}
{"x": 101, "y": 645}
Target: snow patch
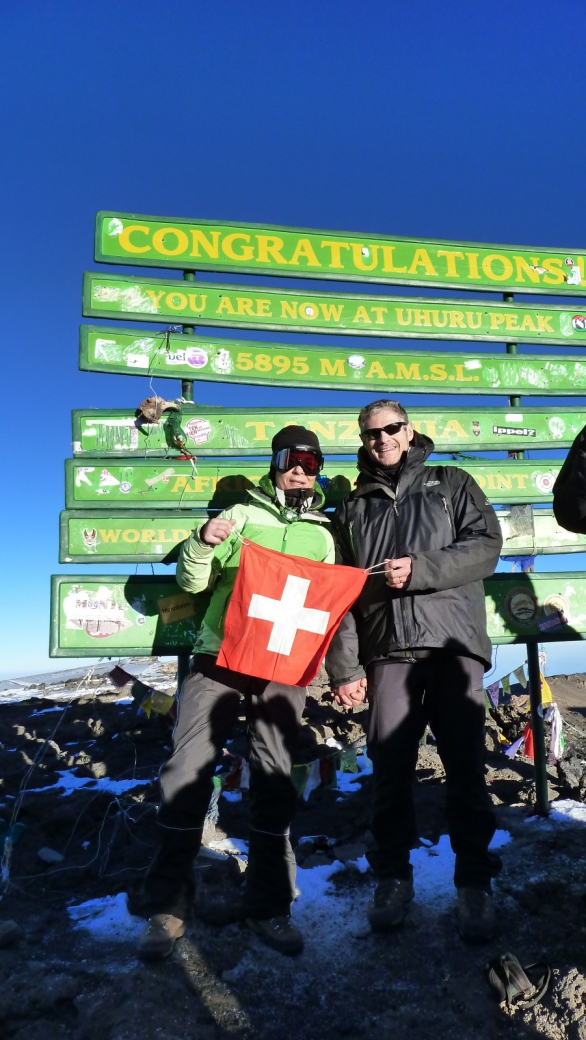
{"x": 69, "y": 782}
{"x": 107, "y": 918}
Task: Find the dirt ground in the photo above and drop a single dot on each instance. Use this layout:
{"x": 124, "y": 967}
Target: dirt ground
{"x": 61, "y": 981}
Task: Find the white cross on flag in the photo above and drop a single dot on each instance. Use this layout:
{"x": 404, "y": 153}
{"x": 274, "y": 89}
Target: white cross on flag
{"x": 283, "y": 613}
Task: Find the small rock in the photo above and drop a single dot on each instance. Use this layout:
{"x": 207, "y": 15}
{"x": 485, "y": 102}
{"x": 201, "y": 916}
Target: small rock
{"x": 50, "y": 855}
{"x": 350, "y": 852}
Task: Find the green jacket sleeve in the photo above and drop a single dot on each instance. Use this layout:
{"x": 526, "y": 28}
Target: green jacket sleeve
{"x": 473, "y": 554}
{"x": 200, "y": 564}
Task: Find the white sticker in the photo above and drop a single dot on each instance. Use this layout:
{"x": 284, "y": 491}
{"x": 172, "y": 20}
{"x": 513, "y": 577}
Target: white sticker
{"x": 544, "y": 482}
{"x": 76, "y": 447}
{"x": 513, "y": 417}
{"x": 222, "y": 363}
{"x": 137, "y": 361}
{"x": 115, "y": 227}
{"x": 177, "y": 358}
{"x": 106, "y": 349}
{"x": 107, "y": 479}
{"x": 198, "y": 430}
{"x": 81, "y": 475}
{"x": 356, "y": 361}
{"x": 472, "y": 364}
{"x": 196, "y": 357}
{"x": 125, "y": 487}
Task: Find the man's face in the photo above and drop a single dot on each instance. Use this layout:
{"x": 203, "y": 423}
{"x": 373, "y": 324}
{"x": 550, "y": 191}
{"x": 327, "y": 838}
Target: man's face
{"x": 388, "y": 448}
{"x": 293, "y": 478}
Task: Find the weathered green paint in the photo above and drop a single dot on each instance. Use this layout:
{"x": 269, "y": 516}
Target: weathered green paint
{"x": 205, "y": 245}
{"x": 136, "y": 536}
{"x": 111, "y": 433}
{"x": 327, "y": 368}
{"x": 113, "y": 615}
{"x": 95, "y": 536}
{"x": 110, "y": 484}
{"x": 98, "y": 616}
{"x": 353, "y": 314}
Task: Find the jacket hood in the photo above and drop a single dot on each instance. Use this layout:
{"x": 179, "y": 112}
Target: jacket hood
{"x": 370, "y": 473}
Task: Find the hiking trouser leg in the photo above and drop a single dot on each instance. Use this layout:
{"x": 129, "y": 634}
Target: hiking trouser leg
{"x": 455, "y": 706}
{"x": 273, "y": 726}
{"x": 208, "y": 711}
{"x": 396, "y": 725}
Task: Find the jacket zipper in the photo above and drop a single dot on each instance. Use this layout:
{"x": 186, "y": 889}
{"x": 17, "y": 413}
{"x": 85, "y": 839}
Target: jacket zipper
{"x": 401, "y": 598}
{"x": 448, "y": 514}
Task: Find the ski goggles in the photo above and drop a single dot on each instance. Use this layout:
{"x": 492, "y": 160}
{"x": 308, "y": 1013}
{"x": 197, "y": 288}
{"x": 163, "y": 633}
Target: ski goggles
{"x": 310, "y": 460}
{"x": 375, "y": 431}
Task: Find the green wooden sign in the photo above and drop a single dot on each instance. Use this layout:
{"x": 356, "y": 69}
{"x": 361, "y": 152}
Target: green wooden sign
{"x": 119, "y": 615}
{"x": 137, "y": 536}
{"x": 127, "y": 238}
{"x": 174, "y": 356}
{"x": 110, "y": 433}
{"x": 115, "y": 615}
{"x": 110, "y": 484}
{"x": 352, "y": 314}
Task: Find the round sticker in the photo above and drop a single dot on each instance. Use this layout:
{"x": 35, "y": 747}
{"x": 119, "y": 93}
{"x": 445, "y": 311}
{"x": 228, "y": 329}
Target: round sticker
{"x": 521, "y": 606}
{"x": 544, "y": 482}
{"x": 356, "y": 361}
{"x": 579, "y": 322}
{"x": 198, "y": 430}
{"x": 196, "y": 357}
{"x": 556, "y": 604}
{"x": 309, "y": 311}
{"x": 125, "y": 487}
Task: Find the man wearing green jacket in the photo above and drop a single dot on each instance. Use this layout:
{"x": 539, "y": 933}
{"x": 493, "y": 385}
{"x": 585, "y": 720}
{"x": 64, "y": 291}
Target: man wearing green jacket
{"x": 281, "y": 514}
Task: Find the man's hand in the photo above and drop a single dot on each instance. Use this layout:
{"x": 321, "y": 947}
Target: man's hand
{"x": 350, "y": 695}
{"x": 398, "y": 572}
{"x": 216, "y": 531}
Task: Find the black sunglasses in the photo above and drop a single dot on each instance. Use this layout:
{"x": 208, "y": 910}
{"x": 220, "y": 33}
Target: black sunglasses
{"x": 374, "y": 433}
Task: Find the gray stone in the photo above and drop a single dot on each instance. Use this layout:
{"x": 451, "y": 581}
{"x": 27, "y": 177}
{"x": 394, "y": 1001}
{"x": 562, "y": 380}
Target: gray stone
{"x": 50, "y": 855}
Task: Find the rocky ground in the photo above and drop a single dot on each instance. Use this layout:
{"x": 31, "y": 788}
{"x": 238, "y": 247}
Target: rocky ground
{"x": 78, "y": 767}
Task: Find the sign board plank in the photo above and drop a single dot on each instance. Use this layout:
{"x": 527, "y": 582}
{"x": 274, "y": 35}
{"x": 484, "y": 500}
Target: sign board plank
{"x": 112, "y": 433}
{"x": 115, "y": 615}
{"x": 110, "y": 484}
{"x": 205, "y": 245}
{"x": 173, "y": 356}
{"x": 94, "y": 536}
{"x": 350, "y": 314}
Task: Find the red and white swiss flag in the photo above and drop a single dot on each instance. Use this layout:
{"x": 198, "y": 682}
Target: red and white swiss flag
{"x": 283, "y": 614}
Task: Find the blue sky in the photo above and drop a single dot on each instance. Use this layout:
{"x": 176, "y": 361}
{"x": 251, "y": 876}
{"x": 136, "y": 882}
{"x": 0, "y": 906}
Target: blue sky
{"x": 449, "y": 120}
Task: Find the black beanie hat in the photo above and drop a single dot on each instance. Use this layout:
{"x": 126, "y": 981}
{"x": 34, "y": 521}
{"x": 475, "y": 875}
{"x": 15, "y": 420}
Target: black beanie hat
{"x": 295, "y": 437}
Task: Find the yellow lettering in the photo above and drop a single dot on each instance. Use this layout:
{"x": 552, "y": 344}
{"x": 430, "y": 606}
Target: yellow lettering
{"x": 179, "y": 485}
{"x": 457, "y": 320}
{"x": 335, "y": 248}
{"x": 130, "y": 536}
{"x": 524, "y": 268}
{"x": 260, "y": 430}
{"x": 245, "y": 305}
{"x": 329, "y": 368}
{"x": 361, "y": 315}
{"x": 193, "y": 304}
{"x": 543, "y": 322}
{"x": 480, "y": 479}
{"x": 247, "y": 252}
{"x": 288, "y": 309}
{"x": 198, "y": 238}
{"x": 124, "y": 238}
{"x": 155, "y": 297}
{"x": 170, "y": 301}
{"x": 388, "y": 261}
{"x": 379, "y": 314}
{"x": 436, "y": 319}
{"x": 308, "y": 310}
{"x": 263, "y": 307}
{"x": 268, "y": 249}
{"x": 201, "y": 484}
{"x": 521, "y": 480}
{"x": 109, "y": 535}
{"x": 453, "y": 426}
{"x": 421, "y": 259}
{"x": 400, "y": 319}
{"x": 470, "y": 319}
{"x": 504, "y": 480}
{"x": 305, "y": 249}
{"x": 491, "y": 482}
{"x": 177, "y": 536}
{"x": 487, "y": 267}
{"x": 421, "y": 317}
{"x": 352, "y": 430}
{"x": 430, "y": 428}
{"x": 528, "y": 323}
{"x": 358, "y": 254}
{"x": 496, "y": 320}
{"x": 148, "y": 536}
{"x": 376, "y": 369}
{"x": 512, "y": 321}
{"x": 460, "y": 375}
{"x": 332, "y": 311}
{"x": 438, "y": 372}
{"x": 473, "y": 271}
{"x": 159, "y": 241}
{"x": 329, "y": 434}
{"x": 556, "y": 272}
{"x": 450, "y": 255}
{"x": 225, "y": 306}
{"x": 408, "y": 373}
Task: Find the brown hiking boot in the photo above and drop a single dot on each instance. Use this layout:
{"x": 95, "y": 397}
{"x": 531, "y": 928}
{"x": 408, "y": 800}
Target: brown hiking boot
{"x": 159, "y": 936}
{"x": 279, "y": 933}
{"x": 386, "y": 909}
{"x": 476, "y": 915}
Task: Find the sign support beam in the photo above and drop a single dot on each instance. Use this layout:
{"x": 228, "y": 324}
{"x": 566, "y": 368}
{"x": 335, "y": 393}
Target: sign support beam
{"x": 541, "y": 792}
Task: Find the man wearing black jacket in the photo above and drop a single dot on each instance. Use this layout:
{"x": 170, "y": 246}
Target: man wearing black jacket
{"x": 569, "y": 490}
{"x": 417, "y": 637}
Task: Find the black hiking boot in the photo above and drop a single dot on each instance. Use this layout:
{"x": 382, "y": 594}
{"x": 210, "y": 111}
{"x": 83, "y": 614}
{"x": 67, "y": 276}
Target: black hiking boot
{"x": 386, "y": 909}
{"x": 476, "y": 915}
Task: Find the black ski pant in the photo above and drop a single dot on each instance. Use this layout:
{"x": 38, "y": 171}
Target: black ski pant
{"x": 210, "y": 702}
{"x": 445, "y": 691}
